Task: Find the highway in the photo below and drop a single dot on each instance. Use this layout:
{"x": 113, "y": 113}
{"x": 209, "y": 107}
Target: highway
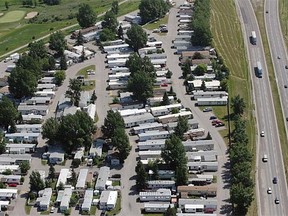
{"x": 266, "y": 121}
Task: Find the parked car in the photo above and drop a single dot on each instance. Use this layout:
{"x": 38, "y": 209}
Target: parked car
{"x": 207, "y": 109}
{"x": 262, "y": 134}
{"x": 164, "y": 85}
{"x": 216, "y": 121}
{"x": 220, "y": 124}
{"x": 286, "y": 66}
{"x": 212, "y": 117}
{"x": 156, "y": 31}
{"x": 12, "y": 185}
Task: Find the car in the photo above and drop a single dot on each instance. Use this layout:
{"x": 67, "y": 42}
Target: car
{"x": 215, "y": 122}
{"x": 278, "y": 57}
{"x": 269, "y": 191}
{"x": 12, "y": 185}
{"x": 266, "y": 11}
{"x": 207, "y": 109}
{"x": 164, "y": 85}
{"x": 262, "y": 134}
{"x": 285, "y": 86}
{"x": 212, "y": 117}
{"x": 265, "y": 158}
{"x": 277, "y": 201}
{"x": 155, "y": 31}
{"x": 286, "y": 118}
{"x": 52, "y": 209}
{"x": 286, "y": 66}
{"x": 275, "y": 180}
{"x": 220, "y": 124}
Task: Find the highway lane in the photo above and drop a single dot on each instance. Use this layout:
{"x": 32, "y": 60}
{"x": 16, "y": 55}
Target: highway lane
{"x": 266, "y": 119}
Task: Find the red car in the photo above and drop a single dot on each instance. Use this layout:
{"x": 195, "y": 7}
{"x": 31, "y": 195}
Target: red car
{"x": 164, "y": 85}
{"x": 12, "y": 185}
{"x": 216, "y": 121}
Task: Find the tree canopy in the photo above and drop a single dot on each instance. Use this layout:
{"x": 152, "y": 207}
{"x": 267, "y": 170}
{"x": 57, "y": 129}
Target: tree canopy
{"x": 112, "y": 121}
{"x": 135, "y": 64}
{"x": 141, "y": 177}
{"x": 137, "y": 37}
{"x": 238, "y": 105}
{"x": 182, "y": 126}
{"x": 115, "y": 7}
{"x": 74, "y": 91}
{"x": 152, "y": 9}
{"x": 8, "y": 113}
{"x": 107, "y": 35}
{"x": 37, "y": 49}
{"x": 86, "y": 17}
{"x": 120, "y": 142}
{"x": 200, "y": 70}
{"x": 52, "y": 2}
{"x": 36, "y": 182}
{"x": 50, "y": 130}
{"x": 57, "y": 42}
{"x": 165, "y": 99}
{"x": 110, "y": 21}
{"x": 59, "y": 77}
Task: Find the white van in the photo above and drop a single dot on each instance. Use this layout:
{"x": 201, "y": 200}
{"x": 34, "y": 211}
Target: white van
{"x": 265, "y": 158}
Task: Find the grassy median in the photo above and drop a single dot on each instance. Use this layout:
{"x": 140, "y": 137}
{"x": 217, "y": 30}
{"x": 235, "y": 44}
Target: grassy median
{"x": 228, "y": 41}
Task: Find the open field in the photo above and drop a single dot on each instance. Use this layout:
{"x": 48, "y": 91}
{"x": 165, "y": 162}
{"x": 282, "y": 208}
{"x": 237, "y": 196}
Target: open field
{"x": 228, "y": 40}
{"x": 12, "y": 16}
{"x": 156, "y": 24}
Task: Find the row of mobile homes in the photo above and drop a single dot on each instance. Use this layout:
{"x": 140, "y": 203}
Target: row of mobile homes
{"x": 38, "y": 101}
{"x": 42, "y": 86}
{"x": 210, "y": 85}
{"x": 14, "y": 159}
{"x": 117, "y": 84}
{"x": 157, "y": 207}
{"x": 15, "y": 148}
{"x": 164, "y": 110}
{"x": 22, "y": 137}
{"x": 63, "y": 176}
{"x": 47, "y": 80}
{"x": 28, "y": 128}
{"x": 220, "y": 101}
{"x": 204, "y": 145}
{"x": 116, "y": 48}
{"x": 192, "y": 123}
{"x": 115, "y": 70}
{"x": 163, "y": 195}
{"x": 131, "y": 112}
{"x": 205, "y": 156}
{"x": 45, "y": 93}
{"x": 43, "y": 201}
{"x": 157, "y": 44}
{"x": 132, "y": 121}
{"x": 32, "y": 118}
{"x": 146, "y": 155}
{"x": 203, "y": 166}
{"x": 10, "y": 179}
{"x": 103, "y": 176}
{"x": 147, "y": 127}
{"x": 151, "y": 145}
{"x": 29, "y": 109}
{"x": 157, "y": 184}
{"x": 117, "y": 63}
{"x": 81, "y": 181}
{"x": 208, "y": 190}
{"x": 174, "y": 117}
{"x": 185, "y": 11}
{"x": 64, "y": 204}
{"x": 88, "y": 198}
{"x": 133, "y": 19}
{"x": 185, "y": 16}
{"x": 154, "y": 134}
{"x": 108, "y": 200}
{"x": 157, "y": 100}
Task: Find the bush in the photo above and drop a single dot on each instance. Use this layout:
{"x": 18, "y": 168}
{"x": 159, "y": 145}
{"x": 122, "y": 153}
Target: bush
{"x": 22, "y": 179}
{"x": 32, "y": 196}
{"x": 76, "y": 163}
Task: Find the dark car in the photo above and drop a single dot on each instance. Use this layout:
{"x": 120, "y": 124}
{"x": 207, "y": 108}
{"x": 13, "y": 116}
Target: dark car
{"x": 285, "y": 86}
{"x": 286, "y": 66}
{"x": 277, "y": 201}
{"x": 275, "y": 180}
{"x": 212, "y": 117}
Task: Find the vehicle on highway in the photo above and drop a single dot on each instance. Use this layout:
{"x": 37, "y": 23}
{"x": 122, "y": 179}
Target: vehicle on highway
{"x": 277, "y": 201}
{"x": 212, "y": 117}
{"x": 269, "y": 191}
{"x": 285, "y": 86}
{"x": 262, "y": 134}
{"x": 275, "y": 180}
{"x": 253, "y": 38}
{"x": 278, "y": 57}
{"x": 259, "y": 69}
{"x": 286, "y": 66}
{"x": 286, "y": 118}
{"x": 207, "y": 109}
{"x": 266, "y": 11}
{"x": 265, "y": 158}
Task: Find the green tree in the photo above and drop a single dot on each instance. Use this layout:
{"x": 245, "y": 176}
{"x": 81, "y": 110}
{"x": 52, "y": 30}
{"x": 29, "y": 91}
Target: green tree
{"x": 186, "y": 68}
{"x": 57, "y": 42}
{"x": 36, "y": 182}
{"x": 137, "y": 37}
{"x": 135, "y": 64}
{"x": 74, "y": 91}
{"x": 107, "y": 35}
{"x": 112, "y": 121}
{"x": 200, "y": 70}
{"x": 63, "y": 62}
{"x": 6, "y": 5}
{"x": 224, "y": 85}
{"x": 52, "y": 174}
{"x": 141, "y": 84}
{"x": 165, "y": 99}
{"x": 240, "y": 173}
{"x": 52, "y": 2}
{"x": 115, "y": 7}
{"x": 2, "y": 144}
{"x": 197, "y": 55}
{"x": 86, "y": 17}
{"x": 50, "y": 130}
{"x": 37, "y": 50}
{"x": 241, "y": 197}
{"x": 24, "y": 167}
{"x": 238, "y": 105}
{"x": 93, "y": 97}
{"x": 61, "y": 186}
{"x": 120, "y": 141}
{"x": 8, "y": 113}
{"x": 22, "y": 83}
{"x": 141, "y": 177}
{"x": 152, "y": 9}
{"x": 110, "y": 21}
{"x": 31, "y": 64}
{"x": 79, "y": 39}
{"x": 170, "y": 212}
{"x": 182, "y": 126}
{"x": 73, "y": 178}
{"x": 169, "y": 74}
{"x": 120, "y": 32}
{"x": 203, "y": 86}
{"x": 59, "y": 77}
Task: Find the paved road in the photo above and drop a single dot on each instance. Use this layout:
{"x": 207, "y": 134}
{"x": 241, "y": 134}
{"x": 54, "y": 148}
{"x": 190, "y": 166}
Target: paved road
{"x": 203, "y": 118}
{"x": 266, "y": 120}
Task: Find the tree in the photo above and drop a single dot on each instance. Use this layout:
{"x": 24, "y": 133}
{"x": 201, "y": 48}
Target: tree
{"x": 79, "y": 39}
{"x": 36, "y": 182}
{"x": 73, "y": 178}
{"x": 52, "y": 2}
{"x": 135, "y": 64}
{"x": 120, "y": 32}
{"x": 24, "y": 167}
{"x": 165, "y": 99}
{"x": 203, "y": 86}
{"x": 8, "y": 113}
{"x": 50, "y": 130}
{"x": 59, "y": 77}
{"x": 112, "y": 121}
{"x": 6, "y": 5}
{"x": 238, "y": 105}
{"x": 200, "y": 70}
{"x": 51, "y": 172}
{"x": 208, "y": 137}
{"x": 57, "y": 42}
{"x": 170, "y": 212}
{"x": 182, "y": 127}
{"x": 115, "y": 7}
{"x": 169, "y": 74}
{"x": 107, "y": 35}
{"x": 93, "y": 97}
{"x": 61, "y": 186}
{"x": 141, "y": 177}
{"x": 224, "y": 85}
{"x": 197, "y": 55}
{"x": 121, "y": 143}
{"x": 171, "y": 91}
{"x": 27, "y": 2}
{"x": 137, "y": 37}
{"x": 2, "y": 144}
{"x": 22, "y": 83}
{"x": 152, "y": 9}
{"x": 86, "y": 17}
{"x": 110, "y": 21}
{"x": 74, "y": 91}
{"x": 37, "y": 50}
{"x": 141, "y": 84}
{"x": 186, "y": 68}
{"x": 153, "y": 166}
{"x": 31, "y": 64}
{"x": 242, "y": 197}
{"x": 63, "y": 62}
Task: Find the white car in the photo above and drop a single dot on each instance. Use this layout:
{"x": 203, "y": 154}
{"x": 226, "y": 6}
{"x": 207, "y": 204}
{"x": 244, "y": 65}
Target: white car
{"x": 156, "y": 31}
{"x": 262, "y": 134}
{"x": 269, "y": 191}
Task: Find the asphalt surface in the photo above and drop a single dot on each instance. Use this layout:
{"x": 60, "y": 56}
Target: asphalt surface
{"x": 266, "y": 120}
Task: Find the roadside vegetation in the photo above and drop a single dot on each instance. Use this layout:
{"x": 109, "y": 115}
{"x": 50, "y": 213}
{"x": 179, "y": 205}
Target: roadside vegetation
{"x": 283, "y": 10}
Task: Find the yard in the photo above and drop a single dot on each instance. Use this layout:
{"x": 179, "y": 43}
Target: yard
{"x": 117, "y": 208}
{"x": 156, "y": 24}
{"x": 89, "y": 86}
{"x": 84, "y": 71}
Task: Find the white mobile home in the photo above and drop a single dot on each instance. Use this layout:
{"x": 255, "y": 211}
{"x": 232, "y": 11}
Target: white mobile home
{"x": 207, "y": 190}
{"x": 28, "y": 128}
{"x": 208, "y": 156}
{"x": 156, "y": 184}
{"x": 145, "y": 50}
{"x": 131, "y": 112}
{"x": 43, "y": 86}
{"x": 96, "y": 148}
{"x": 108, "y": 200}
{"x": 90, "y": 36}
{"x": 64, "y": 174}
{"x": 157, "y": 44}
{"x": 164, "y": 110}
{"x": 119, "y": 76}
{"x": 45, "y": 93}
{"x": 10, "y": 179}
{"x": 185, "y": 32}
{"x": 117, "y": 56}
{"x": 64, "y": 205}
{"x": 210, "y": 205}
{"x": 38, "y": 101}
{"x": 174, "y": 117}
{"x": 119, "y": 48}
{"x": 152, "y": 101}
{"x": 204, "y": 145}
{"x": 203, "y": 166}
{"x": 162, "y": 73}
{"x": 151, "y": 145}
{"x": 184, "y": 21}
{"x": 192, "y": 123}
{"x": 81, "y": 181}
{"x": 117, "y": 63}
{"x": 161, "y": 62}
{"x": 47, "y": 80}
{"x": 156, "y": 56}
{"x": 193, "y": 208}
{"x": 133, "y": 19}
{"x": 43, "y": 201}
{"x": 157, "y": 207}
{"x": 56, "y": 157}
{"x": 117, "y": 84}
{"x": 209, "y": 94}
{"x": 29, "y": 109}
{"x": 113, "y": 43}
{"x": 152, "y": 135}
{"x": 102, "y": 178}
{"x": 88, "y": 197}
{"x": 22, "y": 137}
{"x": 15, "y": 169}
{"x": 15, "y": 148}
{"x": 220, "y": 101}
{"x": 198, "y": 132}
{"x": 115, "y": 70}
{"x": 201, "y": 180}
{"x": 185, "y": 16}
{"x": 8, "y": 194}
{"x": 163, "y": 195}
{"x": 183, "y": 38}
{"x": 180, "y": 43}
{"x": 146, "y": 127}
{"x": 145, "y": 155}
{"x": 131, "y": 121}
{"x": 210, "y": 85}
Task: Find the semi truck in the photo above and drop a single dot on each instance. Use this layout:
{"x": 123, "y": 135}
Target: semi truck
{"x": 253, "y": 38}
{"x": 259, "y": 69}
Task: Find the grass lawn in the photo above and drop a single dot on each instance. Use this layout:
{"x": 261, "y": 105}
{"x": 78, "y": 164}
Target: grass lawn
{"x": 117, "y": 208}
{"x": 283, "y": 9}
{"x": 12, "y": 16}
{"x": 89, "y": 87}
{"x": 93, "y": 210}
{"x": 83, "y": 71}
{"x": 28, "y": 209}
{"x": 228, "y": 40}
{"x": 44, "y": 162}
{"x": 129, "y": 6}
{"x": 116, "y": 183}
{"x": 156, "y": 24}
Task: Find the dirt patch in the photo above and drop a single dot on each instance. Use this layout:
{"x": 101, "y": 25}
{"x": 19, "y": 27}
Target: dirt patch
{"x": 31, "y": 15}
{"x": 1, "y": 14}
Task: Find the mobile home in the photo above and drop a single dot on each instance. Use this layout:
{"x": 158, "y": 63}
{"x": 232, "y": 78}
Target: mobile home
{"x": 154, "y": 134}
{"x": 163, "y": 195}
{"x": 157, "y": 207}
{"x": 151, "y": 145}
{"x": 146, "y": 127}
{"x": 204, "y": 145}
{"x": 131, "y": 121}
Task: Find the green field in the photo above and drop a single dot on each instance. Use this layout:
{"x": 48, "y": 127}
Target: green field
{"x": 228, "y": 40}
{"x": 12, "y": 16}
{"x": 156, "y": 24}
